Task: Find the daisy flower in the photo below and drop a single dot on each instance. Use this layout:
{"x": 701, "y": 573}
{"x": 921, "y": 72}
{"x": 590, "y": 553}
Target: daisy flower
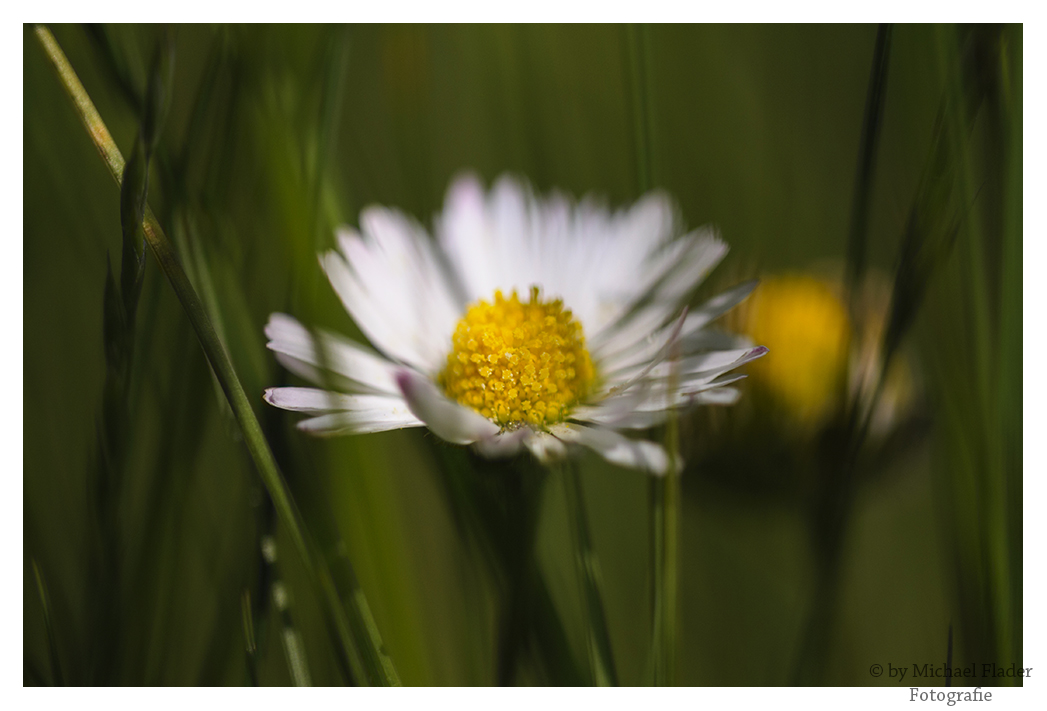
{"x": 528, "y": 322}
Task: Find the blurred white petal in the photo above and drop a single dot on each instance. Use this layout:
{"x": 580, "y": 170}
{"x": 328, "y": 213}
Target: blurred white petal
{"x": 625, "y": 452}
{"x": 446, "y": 418}
{"x": 296, "y": 350}
{"x": 362, "y": 422}
{"x": 316, "y": 400}
{"x": 545, "y": 447}
{"x": 504, "y": 444}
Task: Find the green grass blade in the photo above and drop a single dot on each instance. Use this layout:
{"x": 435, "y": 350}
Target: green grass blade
{"x": 1011, "y": 334}
{"x": 336, "y": 67}
{"x": 863, "y": 183}
{"x": 374, "y": 663}
{"x": 58, "y": 679}
{"x": 988, "y": 441}
{"x": 637, "y": 42}
{"x": 601, "y": 656}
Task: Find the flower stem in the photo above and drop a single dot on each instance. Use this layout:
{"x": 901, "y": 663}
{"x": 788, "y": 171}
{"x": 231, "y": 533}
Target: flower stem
{"x": 665, "y": 553}
{"x": 357, "y": 633}
{"x": 601, "y": 657}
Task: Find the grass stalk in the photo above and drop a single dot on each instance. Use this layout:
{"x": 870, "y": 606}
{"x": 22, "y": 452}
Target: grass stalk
{"x": 664, "y": 492}
{"x": 863, "y": 183}
{"x": 57, "y": 678}
{"x": 358, "y": 632}
{"x": 336, "y": 68}
{"x": 250, "y": 643}
{"x": 988, "y": 439}
{"x": 292, "y": 642}
{"x": 637, "y": 46}
{"x": 1010, "y": 359}
{"x": 601, "y": 656}
{"x": 831, "y": 514}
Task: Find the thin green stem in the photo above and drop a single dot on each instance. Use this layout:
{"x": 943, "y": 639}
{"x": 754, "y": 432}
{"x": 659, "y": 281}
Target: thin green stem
{"x": 601, "y": 657}
{"x": 664, "y": 491}
{"x": 358, "y": 633}
{"x": 250, "y": 646}
{"x": 57, "y": 678}
{"x": 665, "y": 553}
{"x": 830, "y": 523}
{"x": 294, "y": 652}
{"x": 671, "y": 541}
{"x": 837, "y": 473}
{"x": 636, "y": 39}
{"x": 336, "y": 63}
{"x": 863, "y": 183}
{"x": 496, "y": 508}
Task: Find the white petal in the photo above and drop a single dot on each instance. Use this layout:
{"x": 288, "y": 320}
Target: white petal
{"x": 613, "y": 406}
{"x": 362, "y": 422}
{"x": 545, "y": 447}
{"x": 409, "y": 254}
{"x": 705, "y": 367}
{"x": 599, "y": 263}
{"x": 655, "y": 413}
{"x": 716, "y": 396}
{"x": 315, "y": 400}
{"x": 627, "y": 420}
{"x": 387, "y": 314}
{"x": 502, "y": 445}
{"x": 716, "y": 307}
{"x": 646, "y": 404}
{"x": 627, "y": 254}
{"x": 661, "y": 349}
{"x": 632, "y": 347}
{"x": 296, "y": 350}
{"x": 463, "y": 234}
{"x": 714, "y": 360}
{"x": 393, "y": 284}
{"x": 637, "y": 454}
{"x": 681, "y": 267}
{"x": 612, "y": 409}
{"x": 713, "y": 369}
{"x": 446, "y": 418}
{"x": 694, "y": 395}
{"x": 705, "y": 252}
{"x": 371, "y": 312}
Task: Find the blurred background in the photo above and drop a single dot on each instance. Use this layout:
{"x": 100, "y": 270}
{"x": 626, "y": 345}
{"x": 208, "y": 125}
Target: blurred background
{"x": 811, "y": 548}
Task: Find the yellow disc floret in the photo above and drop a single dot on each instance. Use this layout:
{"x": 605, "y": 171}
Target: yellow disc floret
{"x": 518, "y": 363}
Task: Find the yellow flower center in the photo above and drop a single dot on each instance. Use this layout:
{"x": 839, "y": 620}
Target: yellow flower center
{"x": 518, "y": 363}
{"x": 807, "y": 329}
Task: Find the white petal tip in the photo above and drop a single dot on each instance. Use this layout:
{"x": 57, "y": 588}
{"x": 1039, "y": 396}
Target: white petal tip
{"x": 502, "y": 445}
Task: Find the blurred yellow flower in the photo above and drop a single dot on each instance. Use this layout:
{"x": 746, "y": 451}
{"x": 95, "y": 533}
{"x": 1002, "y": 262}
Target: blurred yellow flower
{"x": 805, "y": 326}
